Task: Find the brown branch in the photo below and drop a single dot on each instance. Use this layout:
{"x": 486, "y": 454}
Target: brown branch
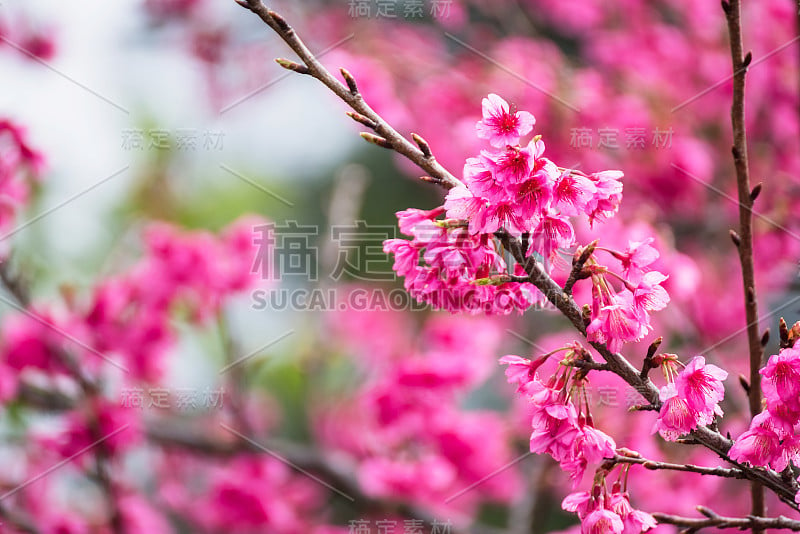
{"x": 740, "y": 61}
{"x": 590, "y": 365}
{"x": 656, "y": 466}
{"x": 350, "y": 95}
{"x": 712, "y": 519}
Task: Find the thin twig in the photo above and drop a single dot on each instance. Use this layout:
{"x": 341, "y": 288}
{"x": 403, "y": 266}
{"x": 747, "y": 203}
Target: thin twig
{"x": 647, "y": 365}
{"x": 653, "y": 465}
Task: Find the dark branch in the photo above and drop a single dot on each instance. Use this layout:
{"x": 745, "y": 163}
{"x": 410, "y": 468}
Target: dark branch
{"x": 715, "y": 520}
{"x": 740, "y": 62}
{"x": 656, "y": 466}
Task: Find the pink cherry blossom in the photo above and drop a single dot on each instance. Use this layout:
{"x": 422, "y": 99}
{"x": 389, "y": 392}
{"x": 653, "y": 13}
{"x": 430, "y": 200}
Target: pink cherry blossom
{"x": 552, "y": 233}
{"x": 638, "y": 256}
{"x": 602, "y": 521}
{"x": 580, "y": 502}
{"x": 608, "y": 194}
{"x": 410, "y": 218}
{"x": 676, "y": 418}
{"x": 535, "y": 194}
{"x": 520, "y": 371}
{"x": 594, "y": 444}
{"x": 649, "y": 295}
{"x": 781, "y": 382}
{"x": 617, "y": 323}
{"x": 406, "y": 255}
{"x": 573, "y": 192}
{"x": 635, "y": 521}
{"x": 500, "y": 126}
{"x": 511, "y": 166}
{"x": 790, "y": 453}
{"x": 760, "y": 445}
{"x": 481, "y": 180}
{"x": 700, "y": 384}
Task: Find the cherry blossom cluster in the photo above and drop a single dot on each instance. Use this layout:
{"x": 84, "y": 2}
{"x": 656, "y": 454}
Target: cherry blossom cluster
{"x": 514, "y": 187}
{"x": 563, "y": 427}
{"x": 457, "y": 267}
{"x": 457, "y": 263}
{"x": 772, "y": 439}
{"x": 562, "y": 421}
{"x": 691, "y": 396}
{"x": 595, "y": 74}
{"x": 607, "y": 513}
{"x": 624, "y": 316}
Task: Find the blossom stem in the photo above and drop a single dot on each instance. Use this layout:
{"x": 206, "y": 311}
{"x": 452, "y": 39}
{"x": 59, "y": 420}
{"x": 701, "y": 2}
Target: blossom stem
{"x": 648, "y": 359}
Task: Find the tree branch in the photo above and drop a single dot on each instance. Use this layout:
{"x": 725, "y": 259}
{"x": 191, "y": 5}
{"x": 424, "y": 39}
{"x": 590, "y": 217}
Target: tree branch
{"x": 656, "y": 466}
{"x": 715, "y": 520}
{"x": 733, "y": 14}
{"x": 349, "y": 93}
{"x": 580, "y": 259}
